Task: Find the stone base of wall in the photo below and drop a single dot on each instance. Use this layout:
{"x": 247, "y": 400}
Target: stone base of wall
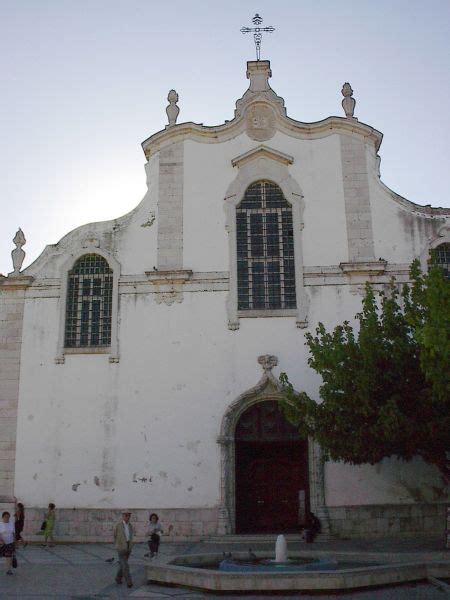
{"x": 388, "y": 520}
{"x": 372, "y": 521}
{"x": 96, "y": 525}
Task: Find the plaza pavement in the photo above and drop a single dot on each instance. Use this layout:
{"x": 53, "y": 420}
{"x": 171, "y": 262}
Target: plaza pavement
{"x": 81, "y": 571}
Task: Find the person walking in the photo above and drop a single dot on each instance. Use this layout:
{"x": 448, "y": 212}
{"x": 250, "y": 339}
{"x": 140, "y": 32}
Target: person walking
{"x": 123, "y": 541}
{"x": 7, "y": 535}
{"x": 19, "y": 521}
{"x": 49, "y": 519}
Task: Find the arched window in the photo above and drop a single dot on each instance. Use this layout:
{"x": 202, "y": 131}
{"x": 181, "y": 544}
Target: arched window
{"x": 441, "y": 258}
{"x": 89, "y": 303}
{"x": 265, "y": 249}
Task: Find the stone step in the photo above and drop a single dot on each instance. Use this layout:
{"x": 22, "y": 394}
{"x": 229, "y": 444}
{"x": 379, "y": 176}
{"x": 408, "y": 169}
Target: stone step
{"x": 262, "y": 538}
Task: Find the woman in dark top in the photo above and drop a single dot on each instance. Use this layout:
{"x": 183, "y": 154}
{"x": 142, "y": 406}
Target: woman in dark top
{"x": 19, "y": 521}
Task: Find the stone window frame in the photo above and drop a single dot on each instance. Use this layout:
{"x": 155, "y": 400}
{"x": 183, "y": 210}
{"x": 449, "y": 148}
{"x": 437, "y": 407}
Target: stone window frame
{"x": 269, "y": 165}
{"x": 113, "y": 349}
{"x": 443, "y": 237}
{"x": 89, "y": 303}
{"x": 264, "y": 200}
{"x": 441, "y": 242}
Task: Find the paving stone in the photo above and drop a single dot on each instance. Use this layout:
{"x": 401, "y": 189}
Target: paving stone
{"x": 80, "y": 571}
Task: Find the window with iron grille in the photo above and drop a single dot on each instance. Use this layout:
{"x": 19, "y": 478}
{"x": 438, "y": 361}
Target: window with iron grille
{"x": 89, "y": 303}
{"x": 265, "y": 249}
{"x": 441, "y": 258}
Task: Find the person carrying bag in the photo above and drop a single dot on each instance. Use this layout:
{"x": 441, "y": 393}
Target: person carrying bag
{"x": 7, "y": 536}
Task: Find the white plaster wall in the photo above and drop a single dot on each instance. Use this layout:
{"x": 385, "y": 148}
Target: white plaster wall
{"x": 88, "y": 430}
{"x": 62, "y": 424}
{"x": 333, "y": 304}
{"x": 400, "y": 232}
{"x": 135, "y": 244}
{"x": 317, "y": 168}
{"x": 156, "y": 413}
{"x": 391, "y": 481}
{"x": 208, "y": 173}
{"x": 96, "y": 426}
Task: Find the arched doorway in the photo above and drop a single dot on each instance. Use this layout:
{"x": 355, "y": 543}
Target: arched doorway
{"x": 271, "y": 470}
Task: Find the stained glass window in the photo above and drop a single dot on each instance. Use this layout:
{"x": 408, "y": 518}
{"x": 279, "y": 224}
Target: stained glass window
{"x": 89, "y": 303}
{"x": 265, "y": 249}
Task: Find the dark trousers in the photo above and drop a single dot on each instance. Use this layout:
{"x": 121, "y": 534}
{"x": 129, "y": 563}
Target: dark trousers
{"x": 153, "y": 543}
{"x": 18, "y": 525}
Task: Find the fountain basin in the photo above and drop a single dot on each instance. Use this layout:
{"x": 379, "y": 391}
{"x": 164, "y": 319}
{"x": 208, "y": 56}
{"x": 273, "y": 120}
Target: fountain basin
{"x": 196, "y": 571}
{"x": 264, "y": 566}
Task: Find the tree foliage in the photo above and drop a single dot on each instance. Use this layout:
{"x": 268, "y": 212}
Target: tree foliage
{"x": 385, "y": 388}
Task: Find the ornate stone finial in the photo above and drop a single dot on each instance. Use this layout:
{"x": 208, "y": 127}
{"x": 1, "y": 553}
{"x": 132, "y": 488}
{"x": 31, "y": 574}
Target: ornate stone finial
{"x": 348, "y": 103}
{"x": 18, "y": 255}
{"x": 267, "y": 362}
{"x": 172, "y": 110}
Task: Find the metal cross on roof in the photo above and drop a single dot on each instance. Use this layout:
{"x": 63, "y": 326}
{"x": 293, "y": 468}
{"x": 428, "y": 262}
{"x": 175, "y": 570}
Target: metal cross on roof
{"x": 257, "y": 32}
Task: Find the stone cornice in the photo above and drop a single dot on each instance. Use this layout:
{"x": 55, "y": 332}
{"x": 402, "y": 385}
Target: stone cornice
{"x": 218, "y": 281}
{"x": 425, "y": 211}
{"x": 171, "y": 276}
{"x": 230, "y": 129}
{"x": 369, "y": 267}
{"x": 15, "y": 282}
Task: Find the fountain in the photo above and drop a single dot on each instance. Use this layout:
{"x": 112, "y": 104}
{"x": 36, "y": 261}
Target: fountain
{"x": 301, "y": 571}
{"x": 281, "y": 564}
{"x": 281, "y": 549}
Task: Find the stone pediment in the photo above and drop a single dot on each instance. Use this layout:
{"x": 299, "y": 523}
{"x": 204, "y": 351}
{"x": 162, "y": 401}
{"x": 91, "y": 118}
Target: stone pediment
{"x": 262, "y": 152}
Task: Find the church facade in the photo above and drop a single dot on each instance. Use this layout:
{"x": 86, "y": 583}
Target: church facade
{"x": 139, "y": 357}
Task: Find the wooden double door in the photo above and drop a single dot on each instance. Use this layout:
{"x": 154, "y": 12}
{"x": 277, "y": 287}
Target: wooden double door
{"x": 271, "y": 469}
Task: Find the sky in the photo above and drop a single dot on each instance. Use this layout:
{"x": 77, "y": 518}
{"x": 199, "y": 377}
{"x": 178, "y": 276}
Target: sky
{"x": 86, "y": 81}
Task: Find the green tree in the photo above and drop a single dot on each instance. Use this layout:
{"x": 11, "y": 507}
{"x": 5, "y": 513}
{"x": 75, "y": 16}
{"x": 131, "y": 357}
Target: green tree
{"x": 385, "y": 388}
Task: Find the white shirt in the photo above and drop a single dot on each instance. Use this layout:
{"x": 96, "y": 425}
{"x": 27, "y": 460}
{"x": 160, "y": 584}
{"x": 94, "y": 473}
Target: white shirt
{"x": 126, "y": 529}
{"x": 154, "y": 528}
{"x": 7, "y": 532}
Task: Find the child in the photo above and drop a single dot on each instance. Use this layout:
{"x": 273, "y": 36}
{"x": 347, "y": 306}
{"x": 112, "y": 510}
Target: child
{"x": 49, "y": 518}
